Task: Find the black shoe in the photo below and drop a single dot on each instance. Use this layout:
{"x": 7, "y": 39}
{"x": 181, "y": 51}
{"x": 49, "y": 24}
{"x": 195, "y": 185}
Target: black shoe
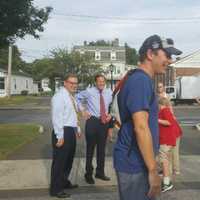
{"x": 89, "y": 180}
{"x": 61, "y": 195}
{"x": 70, "y": 186}
{"x": 102, "y": 177}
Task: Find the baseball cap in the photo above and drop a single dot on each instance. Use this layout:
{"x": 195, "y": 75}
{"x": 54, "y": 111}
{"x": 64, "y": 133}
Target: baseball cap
{"x": 155, "y": 42}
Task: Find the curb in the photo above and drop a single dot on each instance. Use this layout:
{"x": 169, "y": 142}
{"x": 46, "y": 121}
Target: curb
{"x": 25, "y": 108}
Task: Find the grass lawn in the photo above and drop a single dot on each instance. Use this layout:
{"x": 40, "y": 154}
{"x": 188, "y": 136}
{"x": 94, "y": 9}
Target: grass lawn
{"x": 14, "y": 136}
{"x": 17, "y": 100}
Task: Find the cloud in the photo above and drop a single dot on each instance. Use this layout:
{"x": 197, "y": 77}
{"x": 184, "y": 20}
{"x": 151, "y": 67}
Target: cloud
{"x": 65, "y": 31}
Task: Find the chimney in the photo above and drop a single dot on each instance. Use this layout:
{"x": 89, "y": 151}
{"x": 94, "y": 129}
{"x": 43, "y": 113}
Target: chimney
{"x": 85, "y": 43}
{"x": 115, "y": 42}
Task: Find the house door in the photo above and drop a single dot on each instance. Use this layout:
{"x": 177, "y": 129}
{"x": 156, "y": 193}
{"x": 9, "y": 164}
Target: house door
{"x": 2, "y": 86}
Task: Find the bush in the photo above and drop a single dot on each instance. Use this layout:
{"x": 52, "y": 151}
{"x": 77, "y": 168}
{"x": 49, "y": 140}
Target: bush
{"x": 50, "y": 93}
{"x": 24, "y": 92}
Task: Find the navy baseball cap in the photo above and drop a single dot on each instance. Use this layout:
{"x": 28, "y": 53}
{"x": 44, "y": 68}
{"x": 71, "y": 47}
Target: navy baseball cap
{"x": 155, "y": 42}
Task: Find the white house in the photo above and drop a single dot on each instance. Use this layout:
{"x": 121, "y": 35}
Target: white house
{"x": 19, "y": 82}
{"x": 107, "y": 55}
{"x": 45, "y": 85}
{"x": 188, "y": 65}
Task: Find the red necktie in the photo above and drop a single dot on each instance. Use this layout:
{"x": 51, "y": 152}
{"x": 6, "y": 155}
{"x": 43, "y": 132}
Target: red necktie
{"x": 102, "y": 108}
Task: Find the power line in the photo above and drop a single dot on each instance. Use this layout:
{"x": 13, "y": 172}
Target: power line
{"x": 131, "y": 19}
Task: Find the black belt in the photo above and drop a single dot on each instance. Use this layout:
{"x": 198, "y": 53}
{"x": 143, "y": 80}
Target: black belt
{"x": 99, "y": 118}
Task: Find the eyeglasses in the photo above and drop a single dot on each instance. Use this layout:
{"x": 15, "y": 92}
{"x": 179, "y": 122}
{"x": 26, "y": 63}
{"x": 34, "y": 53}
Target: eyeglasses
{"x": 72, "y": 83}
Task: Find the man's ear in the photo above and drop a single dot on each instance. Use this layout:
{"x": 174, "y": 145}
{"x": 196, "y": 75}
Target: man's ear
{"x": 65, "y": 83}
{"x": 149, "y": 54}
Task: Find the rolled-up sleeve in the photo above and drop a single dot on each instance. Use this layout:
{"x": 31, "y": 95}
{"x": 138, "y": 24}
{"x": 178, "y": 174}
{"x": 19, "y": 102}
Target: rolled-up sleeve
{"x": 80, "y": 97}
{"x": 57, "y": 105}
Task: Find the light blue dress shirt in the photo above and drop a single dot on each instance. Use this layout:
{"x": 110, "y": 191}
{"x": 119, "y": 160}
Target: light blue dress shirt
{"x": 63, "y": 112}
{"x": 92, "y": 98}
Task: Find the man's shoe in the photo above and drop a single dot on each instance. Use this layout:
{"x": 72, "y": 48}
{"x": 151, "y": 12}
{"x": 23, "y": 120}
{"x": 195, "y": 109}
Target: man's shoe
{"x": 89, "y": 180}
{"x": 102, "y": 177}
{"x": 61, "y": 195}
{"x": 70, "y": 186}
{"x": 166, "y": 187}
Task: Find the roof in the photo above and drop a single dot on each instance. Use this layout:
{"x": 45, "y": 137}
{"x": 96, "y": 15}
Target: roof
{"x": 190, "y": 61}
{"x": 18, "y": 73}
{"x": 94, "y": 48}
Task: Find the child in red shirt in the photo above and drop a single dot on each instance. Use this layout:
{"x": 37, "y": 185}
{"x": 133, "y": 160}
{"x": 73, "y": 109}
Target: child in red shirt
{"x": 167, "y": 138}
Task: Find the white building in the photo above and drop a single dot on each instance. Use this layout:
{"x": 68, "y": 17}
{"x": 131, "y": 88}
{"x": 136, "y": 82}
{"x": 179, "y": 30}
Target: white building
{"x": 45, "y": 85}
{"x": 188, "y": 65}
{"x": 19, "y": 82}
{"x": 107, "y": 55}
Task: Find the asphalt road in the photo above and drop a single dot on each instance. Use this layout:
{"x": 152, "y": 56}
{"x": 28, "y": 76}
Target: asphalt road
{"x": 41, "y": 147}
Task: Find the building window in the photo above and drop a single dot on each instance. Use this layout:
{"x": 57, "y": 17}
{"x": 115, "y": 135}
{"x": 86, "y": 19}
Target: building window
{"x": 105, "y": 56}
{"x": 2, "y": 83}
{"x": 26, "y": 84}
{"x": 90, "y": 54}
{"x": 120, "y": 56}
{"x": 15, "y": 84}
{"x": 97, "y": 57}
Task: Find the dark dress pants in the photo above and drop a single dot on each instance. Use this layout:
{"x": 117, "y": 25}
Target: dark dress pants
{"x": 96, "y": 136}
{"x": 62, "y": 160}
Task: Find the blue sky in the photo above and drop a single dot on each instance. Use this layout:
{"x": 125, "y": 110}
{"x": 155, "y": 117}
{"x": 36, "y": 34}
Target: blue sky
{"x": 178, "y": 19}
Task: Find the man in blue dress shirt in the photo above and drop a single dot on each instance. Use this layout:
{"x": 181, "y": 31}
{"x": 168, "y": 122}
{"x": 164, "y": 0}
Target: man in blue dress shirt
{"x": 97, "y": 101}
{"x": 65, "y": 128}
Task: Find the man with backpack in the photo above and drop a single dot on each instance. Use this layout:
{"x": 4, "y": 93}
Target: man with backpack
{"x": 138, "y": 138}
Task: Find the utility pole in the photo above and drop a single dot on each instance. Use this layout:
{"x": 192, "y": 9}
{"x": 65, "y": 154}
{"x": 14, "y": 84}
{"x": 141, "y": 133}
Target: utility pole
{"x": 9, "y": 71}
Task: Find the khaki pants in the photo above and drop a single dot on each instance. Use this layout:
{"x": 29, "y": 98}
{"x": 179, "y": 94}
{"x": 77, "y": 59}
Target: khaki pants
{"x": 175, "y": 157}
{"x": 165, "y": 152}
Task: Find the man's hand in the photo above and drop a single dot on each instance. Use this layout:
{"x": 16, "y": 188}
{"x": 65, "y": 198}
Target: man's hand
{"x": 78, "y": 135}
{"x": 60, "y": 142}
{"x": 154, "y": 183}
{"x": 108, "y": 117}
{"x": 86, "y": 115}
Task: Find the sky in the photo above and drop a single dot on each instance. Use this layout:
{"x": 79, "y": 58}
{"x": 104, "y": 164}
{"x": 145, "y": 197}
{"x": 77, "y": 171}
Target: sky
{"x": 72, "y": 22}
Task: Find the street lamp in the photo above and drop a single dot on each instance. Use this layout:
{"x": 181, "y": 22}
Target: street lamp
{"x": 111, "y": 67}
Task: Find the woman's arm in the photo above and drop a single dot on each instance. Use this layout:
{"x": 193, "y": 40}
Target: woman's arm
{"x": 164, "y": 122}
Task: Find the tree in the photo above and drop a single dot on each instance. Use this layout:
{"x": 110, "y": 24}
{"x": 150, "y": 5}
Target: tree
{"x": 99, "y": 43}
{"x": 17, "y": 62}
{"x": 131, "y": 55}
{"x": 74, "y": 62}
{"x": 18, "y": 18}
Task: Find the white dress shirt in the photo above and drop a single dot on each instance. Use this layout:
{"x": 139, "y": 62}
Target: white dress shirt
{"x": 63, "y": 112}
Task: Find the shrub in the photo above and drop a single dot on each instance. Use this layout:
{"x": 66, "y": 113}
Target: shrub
{"x": 24, "y": 92}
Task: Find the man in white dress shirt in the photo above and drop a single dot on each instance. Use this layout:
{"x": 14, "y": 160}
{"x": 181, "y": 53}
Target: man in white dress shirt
{"x": 65, "y": 129}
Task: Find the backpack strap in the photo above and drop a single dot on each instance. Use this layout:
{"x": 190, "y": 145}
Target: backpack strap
{"x": 113, "y": 121}
{"x": 122, "y": 82}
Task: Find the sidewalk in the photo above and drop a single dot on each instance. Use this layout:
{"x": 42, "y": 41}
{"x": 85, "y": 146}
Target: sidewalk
{"x": 24, "y": 176}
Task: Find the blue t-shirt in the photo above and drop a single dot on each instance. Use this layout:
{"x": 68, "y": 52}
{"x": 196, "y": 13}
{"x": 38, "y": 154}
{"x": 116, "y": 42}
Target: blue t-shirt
{"x": 136, "y": 95}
